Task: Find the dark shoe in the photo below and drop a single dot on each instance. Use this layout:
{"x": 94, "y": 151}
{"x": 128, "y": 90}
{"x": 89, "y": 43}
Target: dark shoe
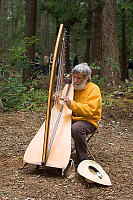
{"x": 86, "y": 158}
{"x": 68, "y": 170}
{"x": 76, "y": 166}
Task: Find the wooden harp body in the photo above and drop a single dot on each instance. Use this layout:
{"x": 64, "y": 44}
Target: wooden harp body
{"x": 51, "y": 146}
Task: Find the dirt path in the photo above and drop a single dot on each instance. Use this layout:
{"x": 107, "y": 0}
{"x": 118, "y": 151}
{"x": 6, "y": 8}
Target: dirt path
{"x": 112, "y": 147}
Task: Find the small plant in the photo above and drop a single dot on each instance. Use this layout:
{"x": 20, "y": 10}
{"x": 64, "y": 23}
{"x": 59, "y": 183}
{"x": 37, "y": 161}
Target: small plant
{"x": 19, "y": 57}
{"x": 113, "y": 64}
{"x": 15, "y": 96}
{"x": 94, "y": 66}
{"x": 108, "y": 100}
{"x": 96, "y": 78}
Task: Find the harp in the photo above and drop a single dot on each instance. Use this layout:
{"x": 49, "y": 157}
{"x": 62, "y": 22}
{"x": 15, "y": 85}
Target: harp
{"x": 51, "y": 146}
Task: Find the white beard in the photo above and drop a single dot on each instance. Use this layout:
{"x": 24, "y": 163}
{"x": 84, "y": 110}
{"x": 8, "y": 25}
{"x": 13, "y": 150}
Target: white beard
{"x": 81, "y": 86}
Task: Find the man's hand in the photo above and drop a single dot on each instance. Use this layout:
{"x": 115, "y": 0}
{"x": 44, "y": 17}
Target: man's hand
{"x": 66, "y": 100}
{"x": 56, "y": 95}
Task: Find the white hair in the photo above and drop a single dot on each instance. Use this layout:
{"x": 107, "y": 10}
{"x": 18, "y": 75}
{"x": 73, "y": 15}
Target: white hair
{"x": 82, "y": 68}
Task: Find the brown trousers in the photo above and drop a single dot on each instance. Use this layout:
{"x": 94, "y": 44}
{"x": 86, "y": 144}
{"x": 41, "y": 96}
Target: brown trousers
{"x": 80, "y": 130}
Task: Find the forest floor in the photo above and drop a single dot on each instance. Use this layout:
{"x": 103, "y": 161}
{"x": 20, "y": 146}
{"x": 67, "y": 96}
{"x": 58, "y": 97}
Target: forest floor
{"x": 112, "y": 148}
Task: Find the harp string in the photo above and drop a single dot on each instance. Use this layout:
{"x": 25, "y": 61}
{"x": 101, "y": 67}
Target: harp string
{"x": 60, "y": 83}
{"x": 61, "y": 70}
{"x": 56, "y": 126}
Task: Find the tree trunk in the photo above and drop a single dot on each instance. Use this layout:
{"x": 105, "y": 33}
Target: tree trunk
{"x": 53, "y": 34}
{"x": 43, "y": 35}
{"x": 0, "y": 28}
{"x": 47, "y": 36}
{"x": 87, "y": 50}
{"x": 124, "y": 69}
{"x": 97, "y": 33}
{"x": 110, "y": 54}
{"x": 75, "y": 39}
{"x": 1, "y": 106}
{"x": 67, "y": 50}
{"x": 5, "y": 9}
{"x": 14, "y": 19}
{"x": 30, "y": 14}
{"x": 89, "y": 26}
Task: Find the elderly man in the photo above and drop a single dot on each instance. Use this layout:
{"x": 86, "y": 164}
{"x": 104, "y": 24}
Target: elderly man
{"x": 86, "y": 108}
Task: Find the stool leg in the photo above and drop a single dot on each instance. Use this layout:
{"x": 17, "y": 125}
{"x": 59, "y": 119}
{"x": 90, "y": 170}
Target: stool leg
{"x": 88, "y": 148}
{"x": 91, "y": 154}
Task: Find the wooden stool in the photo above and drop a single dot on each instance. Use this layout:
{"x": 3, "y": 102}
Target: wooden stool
{"x": 89, "y": 136}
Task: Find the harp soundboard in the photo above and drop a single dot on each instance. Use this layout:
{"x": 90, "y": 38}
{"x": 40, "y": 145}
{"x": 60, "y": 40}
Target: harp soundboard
{"x": 51, "y": 146}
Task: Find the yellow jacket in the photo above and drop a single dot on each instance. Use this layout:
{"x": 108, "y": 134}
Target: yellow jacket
{"x": 87, "y": 104}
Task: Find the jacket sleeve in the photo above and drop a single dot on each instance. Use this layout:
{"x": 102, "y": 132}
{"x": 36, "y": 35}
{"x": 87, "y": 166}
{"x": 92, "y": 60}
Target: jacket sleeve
{"x": 88, "y": 108}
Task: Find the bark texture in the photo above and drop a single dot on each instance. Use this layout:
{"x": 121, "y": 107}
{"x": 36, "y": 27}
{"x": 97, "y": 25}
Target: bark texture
{"x": 97, "y": 33}
{"x": 5, "y": 9}
{"x": 30, "y": 14}
{"x": 110, "y": 53}
{"x": 124, "y": 68}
